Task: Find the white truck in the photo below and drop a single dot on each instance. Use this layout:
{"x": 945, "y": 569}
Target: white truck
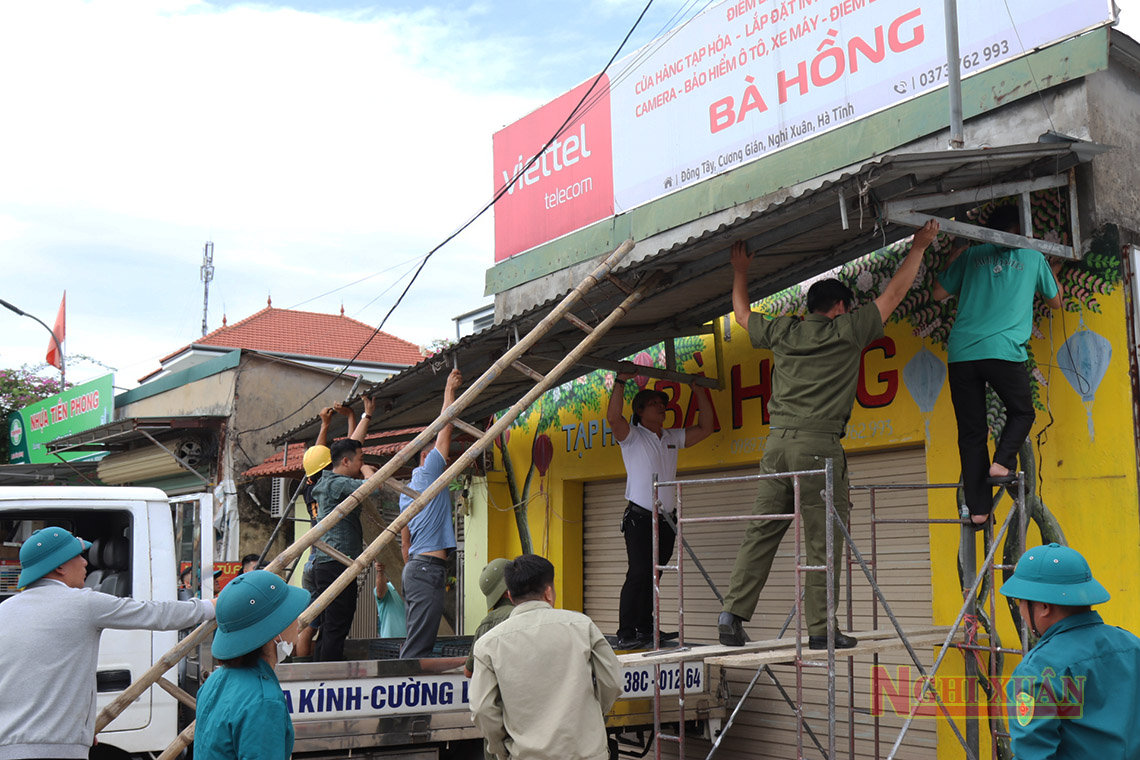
{"x": 373, "y": 705}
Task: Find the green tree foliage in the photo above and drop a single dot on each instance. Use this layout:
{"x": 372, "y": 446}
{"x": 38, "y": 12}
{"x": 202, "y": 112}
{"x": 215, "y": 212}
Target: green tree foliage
{"x": 20, "y": 387}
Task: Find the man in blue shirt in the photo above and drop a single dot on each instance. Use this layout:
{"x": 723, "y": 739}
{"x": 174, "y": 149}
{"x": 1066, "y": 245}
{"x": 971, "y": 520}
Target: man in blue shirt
{"x": 427, "y": 540}
{"x": 1074, "y": 695}
{"x": 995, "y": 288}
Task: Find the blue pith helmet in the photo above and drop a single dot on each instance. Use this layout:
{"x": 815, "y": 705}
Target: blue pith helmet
{"x": 1054, "y": 574}
{"x": 252, "y": 609}
{"x": 45, "y": 550}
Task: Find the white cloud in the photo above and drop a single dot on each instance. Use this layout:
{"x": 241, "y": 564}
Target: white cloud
{"x": 312, "y": 148}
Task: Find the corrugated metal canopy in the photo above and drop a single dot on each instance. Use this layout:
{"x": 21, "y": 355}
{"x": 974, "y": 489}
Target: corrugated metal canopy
{"x": 795, "y": 232}
{"x": 49, "y": 473}
{"x": 115, "y": 436}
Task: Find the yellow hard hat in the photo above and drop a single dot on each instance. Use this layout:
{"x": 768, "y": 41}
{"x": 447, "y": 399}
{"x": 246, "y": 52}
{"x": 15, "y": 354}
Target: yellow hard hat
{"x": 316, "y": 459}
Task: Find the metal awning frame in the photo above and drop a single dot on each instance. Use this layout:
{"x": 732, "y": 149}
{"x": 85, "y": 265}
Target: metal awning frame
{"x": 115, "y": 436}
{"x": 909, "y": 211}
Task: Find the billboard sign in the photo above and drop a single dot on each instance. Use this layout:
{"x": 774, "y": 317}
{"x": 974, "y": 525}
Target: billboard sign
{"x": 747, "y": 78}
{"x": 569, "y": 186}
{"x": 79, "y": 408}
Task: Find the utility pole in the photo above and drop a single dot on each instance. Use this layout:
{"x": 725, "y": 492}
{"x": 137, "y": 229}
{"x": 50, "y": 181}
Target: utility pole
{"x": 953, "y": 64}
{"x": 207, "y": 275}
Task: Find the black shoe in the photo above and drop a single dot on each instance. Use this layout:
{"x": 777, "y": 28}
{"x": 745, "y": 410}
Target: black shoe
{"x": 634, "y": 642}
{"x": 665, "y": 635}
{"x": 842, "y": 641}
{"x": 731, "y": 630}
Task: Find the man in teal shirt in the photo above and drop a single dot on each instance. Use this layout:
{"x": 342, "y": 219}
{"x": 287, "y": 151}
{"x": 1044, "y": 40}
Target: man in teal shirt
{"x": 1074, "y": 695}
{"x": 391, "y": 617}
{"x": 995, "y": 288}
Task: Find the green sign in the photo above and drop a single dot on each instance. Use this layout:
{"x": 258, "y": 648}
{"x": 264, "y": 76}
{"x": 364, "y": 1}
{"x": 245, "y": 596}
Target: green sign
{"x": 77, "y": 409}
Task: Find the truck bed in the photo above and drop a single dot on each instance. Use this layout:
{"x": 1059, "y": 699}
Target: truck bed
{"x": 380, "y": 702}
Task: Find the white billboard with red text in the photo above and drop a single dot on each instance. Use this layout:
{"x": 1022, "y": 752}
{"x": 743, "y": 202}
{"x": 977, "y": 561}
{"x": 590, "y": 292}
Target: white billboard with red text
{"x": 747, "y": 78}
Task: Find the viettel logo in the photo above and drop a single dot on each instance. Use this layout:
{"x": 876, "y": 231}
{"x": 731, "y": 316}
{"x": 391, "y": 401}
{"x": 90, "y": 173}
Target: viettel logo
{"x": 16, "y": 431}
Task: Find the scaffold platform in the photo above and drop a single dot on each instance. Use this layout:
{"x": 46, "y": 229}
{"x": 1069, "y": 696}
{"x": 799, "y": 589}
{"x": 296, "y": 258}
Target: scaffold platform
{"x": 782, "y": 651}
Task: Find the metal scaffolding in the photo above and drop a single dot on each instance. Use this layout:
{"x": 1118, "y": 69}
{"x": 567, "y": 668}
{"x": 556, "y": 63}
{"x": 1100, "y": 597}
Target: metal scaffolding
{"x": 779, "y": 651}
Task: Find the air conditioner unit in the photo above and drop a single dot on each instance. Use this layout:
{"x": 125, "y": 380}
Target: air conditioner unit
{"x": 279, "y": 495}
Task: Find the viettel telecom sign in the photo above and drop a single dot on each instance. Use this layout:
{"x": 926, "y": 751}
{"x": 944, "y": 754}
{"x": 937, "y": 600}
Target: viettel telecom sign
{"x": 740, "y": 81}
{"x": 570, "y": 185}
{"x": 79, "y": 408}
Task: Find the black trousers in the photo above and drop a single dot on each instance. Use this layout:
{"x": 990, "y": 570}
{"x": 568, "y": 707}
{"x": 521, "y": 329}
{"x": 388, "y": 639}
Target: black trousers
{"x": 635, "y": 606}
{"x": 1010, "y": 381}
{"x": 336, "y": 620}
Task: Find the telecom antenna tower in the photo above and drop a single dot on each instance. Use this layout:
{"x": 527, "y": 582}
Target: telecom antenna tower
{"x": 207, "y": 275}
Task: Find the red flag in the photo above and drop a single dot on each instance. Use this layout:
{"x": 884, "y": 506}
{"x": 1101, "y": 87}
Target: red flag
{"x": 54, "y": 357}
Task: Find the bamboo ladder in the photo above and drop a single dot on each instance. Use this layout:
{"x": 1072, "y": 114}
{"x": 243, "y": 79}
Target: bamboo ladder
{"x": 449, "y": 416}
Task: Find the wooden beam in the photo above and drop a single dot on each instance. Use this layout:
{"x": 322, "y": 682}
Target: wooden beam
{"x": 468, "y": 428}
{"x": 598, "y": 362}
{"x": 532, "y": 374}
{"x": 177, "y": 693}
{"x": 181, "y": 742}
{"x": 400, "y": 488}
{"x": 569, "y": 317}
{"x": 343, "y": 559}
{"x": 620, "y": 285}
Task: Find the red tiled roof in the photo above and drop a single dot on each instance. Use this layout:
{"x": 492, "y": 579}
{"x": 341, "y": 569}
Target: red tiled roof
{"x": 276, "y": 466}
{"x": 311, "y": 334}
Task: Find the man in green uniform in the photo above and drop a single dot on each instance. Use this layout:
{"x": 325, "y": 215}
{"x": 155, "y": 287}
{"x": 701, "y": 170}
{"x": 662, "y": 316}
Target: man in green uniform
{"x": 813, "y": 388}
{"x": 499, "y": 604}
{"x": 494, "y": 588}
{"x": 1074, "y": 695}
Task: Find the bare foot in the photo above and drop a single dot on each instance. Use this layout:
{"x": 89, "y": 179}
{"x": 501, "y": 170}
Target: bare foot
{"x": 979, "y": 519}
{"x": 998, "y": 471}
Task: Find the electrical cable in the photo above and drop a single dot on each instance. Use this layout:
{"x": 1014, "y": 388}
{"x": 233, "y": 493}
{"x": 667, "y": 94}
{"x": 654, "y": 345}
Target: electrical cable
{"x": 498, "y": 194}
{"x": 666, "y": 33}
{"x": 355, "y": 282}
{"x": 1028, "y": 65}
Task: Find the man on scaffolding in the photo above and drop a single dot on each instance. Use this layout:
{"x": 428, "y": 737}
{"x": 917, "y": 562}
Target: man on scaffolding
{"x": 813, "y": 388}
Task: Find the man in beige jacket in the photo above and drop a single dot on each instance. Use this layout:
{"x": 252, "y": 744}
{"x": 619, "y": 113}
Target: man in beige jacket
{"x": 544, "y": 679}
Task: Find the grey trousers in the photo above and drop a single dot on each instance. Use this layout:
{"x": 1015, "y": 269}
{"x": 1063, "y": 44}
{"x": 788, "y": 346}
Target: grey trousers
{"x": 424, "y": 581}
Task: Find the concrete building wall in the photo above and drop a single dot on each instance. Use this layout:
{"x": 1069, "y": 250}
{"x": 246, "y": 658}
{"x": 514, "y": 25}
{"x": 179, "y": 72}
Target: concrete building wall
{"x": 1114, "y": 112}
{"x": 269, "y": 398}
{"x": 211, "y": 395}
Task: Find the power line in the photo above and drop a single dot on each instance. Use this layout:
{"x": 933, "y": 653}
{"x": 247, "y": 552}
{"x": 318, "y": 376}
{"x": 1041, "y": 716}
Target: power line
{"x": 355, "y": 282}
{"x": 667, "y": 31}
{"x": 498, "y": 194}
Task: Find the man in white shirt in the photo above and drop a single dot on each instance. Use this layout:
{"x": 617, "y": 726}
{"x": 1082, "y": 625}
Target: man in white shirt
{"x": 648, "y": 448}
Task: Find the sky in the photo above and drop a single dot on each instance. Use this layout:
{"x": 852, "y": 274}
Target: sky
{"x": 324, "y": 148}
{"x": 315, "y": 143}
